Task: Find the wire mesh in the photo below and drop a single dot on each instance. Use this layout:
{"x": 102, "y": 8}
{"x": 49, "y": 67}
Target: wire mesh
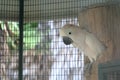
{"x": 112, "y": 75}
{"x": 109, "y": 71}
{"x": 45, "y": 56}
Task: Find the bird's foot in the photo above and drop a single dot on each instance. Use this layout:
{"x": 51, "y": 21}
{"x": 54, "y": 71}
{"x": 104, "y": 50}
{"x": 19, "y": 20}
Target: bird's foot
{"x": 87, "y": 69}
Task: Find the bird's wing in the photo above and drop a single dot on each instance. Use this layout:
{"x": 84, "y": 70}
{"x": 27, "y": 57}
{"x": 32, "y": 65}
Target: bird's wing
{"x": 96, "y": 45}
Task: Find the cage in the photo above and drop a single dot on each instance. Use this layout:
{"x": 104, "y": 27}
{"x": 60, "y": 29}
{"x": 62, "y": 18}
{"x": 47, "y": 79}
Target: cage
{"x": 109, "y": 71}
{"x": 31, "y": 47}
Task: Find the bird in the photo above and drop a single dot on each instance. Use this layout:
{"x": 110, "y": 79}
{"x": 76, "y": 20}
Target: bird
{"x": 84, "y": 40}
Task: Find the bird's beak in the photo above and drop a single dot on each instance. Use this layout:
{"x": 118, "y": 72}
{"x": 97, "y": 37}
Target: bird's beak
{"x": 67, "y": 40}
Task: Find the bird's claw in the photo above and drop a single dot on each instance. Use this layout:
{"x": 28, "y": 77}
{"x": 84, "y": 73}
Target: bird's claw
{"x": 87, "y": 69}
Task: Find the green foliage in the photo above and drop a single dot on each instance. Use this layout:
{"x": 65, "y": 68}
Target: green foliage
{"x": 28, "y": 26}
{"x": 14, "y": 27}
{"x": 31, "y": 36}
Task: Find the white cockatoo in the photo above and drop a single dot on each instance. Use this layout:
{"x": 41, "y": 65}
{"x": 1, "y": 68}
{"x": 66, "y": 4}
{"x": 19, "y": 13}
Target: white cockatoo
{"x": 83, "y": 40}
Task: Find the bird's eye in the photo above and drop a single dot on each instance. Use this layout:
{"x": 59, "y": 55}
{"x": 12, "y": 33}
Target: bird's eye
{"x": 69, "y": 32}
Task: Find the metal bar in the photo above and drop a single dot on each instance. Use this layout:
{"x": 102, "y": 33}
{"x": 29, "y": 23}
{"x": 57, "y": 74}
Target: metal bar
{"x": 21, "y": 18}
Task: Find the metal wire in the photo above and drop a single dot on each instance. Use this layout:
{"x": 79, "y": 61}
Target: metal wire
{"x": 31, "y": 47}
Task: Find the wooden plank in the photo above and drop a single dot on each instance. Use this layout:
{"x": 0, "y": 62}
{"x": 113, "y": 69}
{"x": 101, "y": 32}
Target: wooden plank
{"x": 104, "y": 22}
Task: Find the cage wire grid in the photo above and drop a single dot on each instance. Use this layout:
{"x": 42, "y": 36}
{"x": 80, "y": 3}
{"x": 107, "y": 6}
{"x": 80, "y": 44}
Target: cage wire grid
{"x": 31, "y": 48}
{"x": 109, "y": 71}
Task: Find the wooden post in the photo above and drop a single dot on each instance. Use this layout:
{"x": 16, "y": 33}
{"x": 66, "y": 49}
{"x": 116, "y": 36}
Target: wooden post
{"x": 104, "y": 22}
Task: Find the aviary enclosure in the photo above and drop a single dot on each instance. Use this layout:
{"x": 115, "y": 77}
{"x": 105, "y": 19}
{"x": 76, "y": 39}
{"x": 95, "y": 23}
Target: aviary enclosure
{"x": 31, "y": 47}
